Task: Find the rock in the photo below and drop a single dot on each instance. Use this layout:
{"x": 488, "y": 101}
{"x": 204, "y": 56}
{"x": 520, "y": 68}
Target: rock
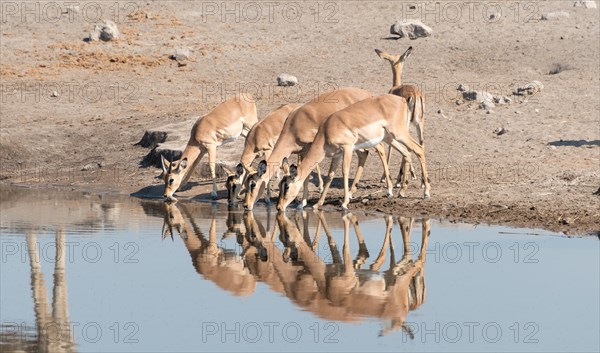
{"x": 463, "y": 87}
{"x": 495, "y": 17}
{"x": 105, "y": 31}
{"x": 585, "y": 4}
{"x": 479, "y": 96}
{"x": 167, "y": 140}
{"x": 532, "y": 87}
{"x": 487, "y": 105}
{"x": 86, "y": 168}
{"x": 459, "y": 101}
{"x": 54, "y": 94}
{"x": 440, "y": 111}
{"x": 489, "y": 112}
{"x": 555, "y": 15}
{"x": 501, "y": 100}
{"x": 286, "y": 80}
{"x": 153, "y": 157}
{"x": 558, "y": 68}
{"x": 181, "y": 54}
{"x": 152, "y": 139}
{"x": 365, "y": 201}
{"x": 412, "y": 29}
{"x": 500, "y": 131}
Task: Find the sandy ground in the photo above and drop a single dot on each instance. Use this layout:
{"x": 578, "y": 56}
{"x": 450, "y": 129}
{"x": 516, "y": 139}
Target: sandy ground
{"x": 543, "y": 172}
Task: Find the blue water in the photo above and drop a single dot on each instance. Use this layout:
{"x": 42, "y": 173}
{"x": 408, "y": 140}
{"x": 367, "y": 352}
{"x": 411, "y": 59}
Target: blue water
{"x": 226, "y": 281}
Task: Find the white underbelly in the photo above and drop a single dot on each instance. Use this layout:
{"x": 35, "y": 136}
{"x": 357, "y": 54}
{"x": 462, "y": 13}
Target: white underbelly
{"x": 232, "y": 138}
{"x": 368, "y": 144}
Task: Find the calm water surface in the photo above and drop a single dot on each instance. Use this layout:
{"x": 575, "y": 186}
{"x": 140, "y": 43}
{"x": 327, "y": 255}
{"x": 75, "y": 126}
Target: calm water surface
{"x": 99, "y": 273}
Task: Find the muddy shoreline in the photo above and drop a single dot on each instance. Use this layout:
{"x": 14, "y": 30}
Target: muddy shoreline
{"x": 525, "y": 215}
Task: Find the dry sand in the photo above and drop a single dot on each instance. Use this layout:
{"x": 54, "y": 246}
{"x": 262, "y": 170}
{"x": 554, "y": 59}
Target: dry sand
{"x": 543, "y": 172}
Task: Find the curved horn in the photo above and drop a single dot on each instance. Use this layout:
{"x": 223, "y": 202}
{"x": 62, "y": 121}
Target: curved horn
{"x": 170, "y": 164}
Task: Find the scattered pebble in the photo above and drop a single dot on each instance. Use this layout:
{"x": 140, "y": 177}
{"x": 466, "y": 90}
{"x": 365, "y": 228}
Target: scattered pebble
{"x": 105, "y": 31}
{"x": 54, "y": 94}
{"x": 585, "y": 4}
{"x": 500, "y": 131}
{"x": 459, "y": 101}
{"x": 181, "y": 54}
{"x": 286, "y": 80}
{"x": 487, "y": 105}
{"x": 555, "y": 15}
{"x": 529, "y": 89}
{"x": 411, "y": 28}
{"x": 463, "y": 87}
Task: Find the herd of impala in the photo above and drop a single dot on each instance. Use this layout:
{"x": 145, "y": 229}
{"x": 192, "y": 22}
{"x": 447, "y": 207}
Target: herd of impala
{"x": 334, "y": 124}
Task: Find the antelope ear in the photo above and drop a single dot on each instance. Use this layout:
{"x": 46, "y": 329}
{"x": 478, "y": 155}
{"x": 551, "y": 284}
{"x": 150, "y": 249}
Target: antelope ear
{"x": 285, "y": 166}
{"x": 164, "y": 163}
{"x": 262, "y": 168}
{"x": 406, "y": 54}
{"x": 293, "y": 171}
{"x": 239, "y": 170}
{"x": 182, "y": 165}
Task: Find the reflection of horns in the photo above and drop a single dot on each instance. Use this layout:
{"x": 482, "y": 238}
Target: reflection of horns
{"x": 224, "y": 267}
{"x": 53, "y": 331}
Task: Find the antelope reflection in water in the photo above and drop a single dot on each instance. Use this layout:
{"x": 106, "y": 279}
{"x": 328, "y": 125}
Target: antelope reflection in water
{"x": 52, "y": 328}
{"x": 224, "y": 267}
{"x": 339, "y": 289}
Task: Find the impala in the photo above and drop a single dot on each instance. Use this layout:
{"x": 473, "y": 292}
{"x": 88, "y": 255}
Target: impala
{"x": 361, "y": 125}
{"x": 412, "y": 94}
{"x": 297, "y": 135}
{"x": 225, "y": 123}
{"x": 260, "y": 142}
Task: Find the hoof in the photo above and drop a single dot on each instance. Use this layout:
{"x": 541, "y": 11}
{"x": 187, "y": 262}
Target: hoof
{"x": 426, "y": 196}
{"x": 320, "y": 189}
{"x": 213, "y": 195}
{"x": 268, "y": 200}
{"x": 402, "y": 195}
{"x": 390, "y": 194}
{"x": 345, "y": 208}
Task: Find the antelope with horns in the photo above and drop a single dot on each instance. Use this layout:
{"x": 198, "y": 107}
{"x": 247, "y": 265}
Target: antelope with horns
{"x": 359, "y": 126}
{"x": 225, "y": 123}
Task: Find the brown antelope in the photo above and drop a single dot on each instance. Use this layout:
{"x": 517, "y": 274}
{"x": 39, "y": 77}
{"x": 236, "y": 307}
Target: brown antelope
{"x": 222, "y": 266}
{"x": 362, "y": 125}
{"x": 260, "y": 142}
{"x": 297, "y": 135}
{"x": 412, "y": 94}
{"x": 225, "y": 123}
{"x": 334, "y": 292}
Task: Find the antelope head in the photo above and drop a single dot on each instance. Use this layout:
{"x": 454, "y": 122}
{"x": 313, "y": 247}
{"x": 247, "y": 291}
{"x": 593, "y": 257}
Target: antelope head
{"x": 234, "y": 184}
{"x": 174, "y": 173}
{"x": 254, "y": 185}
{"x": 289, "y": 187}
